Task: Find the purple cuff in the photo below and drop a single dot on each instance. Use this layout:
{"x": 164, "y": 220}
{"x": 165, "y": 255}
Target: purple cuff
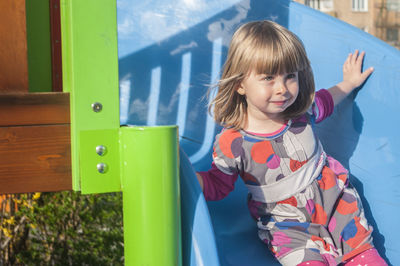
{"x": 216, "y": 184}
{"x": 324, "y": 105}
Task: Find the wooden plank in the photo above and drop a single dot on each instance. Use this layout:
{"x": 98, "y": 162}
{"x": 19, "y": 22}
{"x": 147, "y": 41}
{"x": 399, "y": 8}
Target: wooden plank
{"x": 35, "y": 148}
{"x": 13, "y": 47}
{"x": 34, "y": 109}
{"x": 35, "y": 158}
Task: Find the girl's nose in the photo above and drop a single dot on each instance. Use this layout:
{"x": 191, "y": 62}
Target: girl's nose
{"x": 280, "y": 87}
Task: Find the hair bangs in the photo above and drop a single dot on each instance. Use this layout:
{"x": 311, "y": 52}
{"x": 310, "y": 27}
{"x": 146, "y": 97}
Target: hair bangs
{"x": 280, "y": 55}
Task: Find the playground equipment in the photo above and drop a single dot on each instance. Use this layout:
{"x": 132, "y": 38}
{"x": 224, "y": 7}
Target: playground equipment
{"x": 166, "y": 62}
{"x": 162, "y": 62}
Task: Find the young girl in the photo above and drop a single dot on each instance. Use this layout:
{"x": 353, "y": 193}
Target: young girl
{"x": 306, "y": 210}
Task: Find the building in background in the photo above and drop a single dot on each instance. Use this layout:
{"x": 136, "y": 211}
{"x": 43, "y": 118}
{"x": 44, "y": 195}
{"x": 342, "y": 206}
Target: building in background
{"x": 380, "y": 18}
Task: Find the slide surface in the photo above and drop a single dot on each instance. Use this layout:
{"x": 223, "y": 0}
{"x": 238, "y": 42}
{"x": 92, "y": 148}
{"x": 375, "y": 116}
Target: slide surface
{"x": 170, "y": 51}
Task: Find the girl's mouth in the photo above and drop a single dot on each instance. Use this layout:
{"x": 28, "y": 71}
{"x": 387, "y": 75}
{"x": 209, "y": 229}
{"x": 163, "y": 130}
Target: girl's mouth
{"x": 279, "y": 103}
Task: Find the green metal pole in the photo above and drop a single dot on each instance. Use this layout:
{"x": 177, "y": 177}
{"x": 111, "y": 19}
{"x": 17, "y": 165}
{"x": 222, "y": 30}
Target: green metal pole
{"x": 90, "y": 74}
{"x": 151, "y": 198}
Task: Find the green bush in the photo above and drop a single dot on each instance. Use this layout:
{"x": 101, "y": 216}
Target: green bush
{"x": 63, "y": 228}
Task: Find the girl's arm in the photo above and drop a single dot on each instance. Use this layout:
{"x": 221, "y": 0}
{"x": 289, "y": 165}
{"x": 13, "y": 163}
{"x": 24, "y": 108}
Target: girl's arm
{"x": 352, "y": 77}
{"x": 215, "y": 184}
{"x": 220, "y": 179}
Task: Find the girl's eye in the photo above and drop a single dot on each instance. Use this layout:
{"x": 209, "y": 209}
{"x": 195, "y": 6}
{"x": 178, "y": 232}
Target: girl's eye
{"x": 269, "y": 78}
{"x": 291, "y": 76}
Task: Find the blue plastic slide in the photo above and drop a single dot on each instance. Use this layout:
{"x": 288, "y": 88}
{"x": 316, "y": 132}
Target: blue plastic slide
{"x": 171, "y": 51}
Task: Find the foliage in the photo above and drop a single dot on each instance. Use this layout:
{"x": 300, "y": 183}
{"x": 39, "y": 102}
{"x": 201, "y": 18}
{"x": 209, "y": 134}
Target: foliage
{"x": 63, "y": 228}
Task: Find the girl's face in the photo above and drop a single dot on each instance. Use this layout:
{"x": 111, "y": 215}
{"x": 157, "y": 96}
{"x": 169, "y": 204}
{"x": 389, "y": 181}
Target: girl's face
{"x": 268, "y": 96}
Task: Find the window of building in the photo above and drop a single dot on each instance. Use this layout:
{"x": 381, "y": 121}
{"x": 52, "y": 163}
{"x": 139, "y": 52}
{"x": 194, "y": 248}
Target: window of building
{"x": 393, "y": 5}
{"x": 392, "y": 34}
{"x": 322, "y": 5}
{"x": 312, "y": 3}
{"x": 359, "y": 5}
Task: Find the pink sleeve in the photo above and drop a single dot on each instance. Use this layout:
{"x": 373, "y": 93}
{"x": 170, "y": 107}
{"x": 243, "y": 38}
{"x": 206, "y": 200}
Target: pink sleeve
{"x": 323, "y": 106}
{"x": 217, "y": 185}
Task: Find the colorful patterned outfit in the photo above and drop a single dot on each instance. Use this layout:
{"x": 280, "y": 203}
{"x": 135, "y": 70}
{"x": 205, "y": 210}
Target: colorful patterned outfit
{"x": 302, "y": 200}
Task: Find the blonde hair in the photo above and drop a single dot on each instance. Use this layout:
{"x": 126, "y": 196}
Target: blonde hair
{"x": 267, "y": 48}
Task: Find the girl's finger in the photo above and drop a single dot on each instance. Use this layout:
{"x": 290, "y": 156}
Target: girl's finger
{"x": 354, "y": 56}
{"x": 367, "y": 72}
{"x": 360, "y": 57}
{"x": 347, "y": 61}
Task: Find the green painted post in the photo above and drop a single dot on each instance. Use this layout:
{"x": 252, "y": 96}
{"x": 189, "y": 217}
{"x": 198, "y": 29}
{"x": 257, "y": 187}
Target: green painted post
{"x": 144, "y": 158}
{"x": 151, "y": 201}
{"x": 39, "y": 45}
{"x": 90, "y": 72}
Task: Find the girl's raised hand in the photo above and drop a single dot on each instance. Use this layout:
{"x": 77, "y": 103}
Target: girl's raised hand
{"x": 352, "y": 74}
{"x": 353, "y": 77}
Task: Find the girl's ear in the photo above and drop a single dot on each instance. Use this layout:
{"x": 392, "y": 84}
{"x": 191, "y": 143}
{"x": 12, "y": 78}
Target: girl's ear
{"x": 241, "y": 89}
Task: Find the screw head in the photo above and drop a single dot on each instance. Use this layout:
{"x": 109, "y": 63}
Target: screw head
{"x": 97, "y": 107}
{"x": 101, "y": 150}
{"x": 102, "y": 168}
